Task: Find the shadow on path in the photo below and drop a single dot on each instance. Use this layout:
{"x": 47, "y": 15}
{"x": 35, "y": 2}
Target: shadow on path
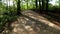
{"x": 28, "y": 25}
{"x": 41, "y": 27}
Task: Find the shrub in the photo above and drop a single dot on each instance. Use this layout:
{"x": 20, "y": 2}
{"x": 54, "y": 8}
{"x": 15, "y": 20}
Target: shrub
{"x": 7, "y": 17}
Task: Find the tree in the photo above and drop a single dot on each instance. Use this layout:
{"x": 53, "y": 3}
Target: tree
{"x": 43, "y": 4}
{"x": 18, "y": 7}
{"x": 36, "y": 3}
{"x": 59, "y": 3}
{"x": 47, "y": 5}
{"x": 27, "y": 4}
{"x": 40, "y": 4}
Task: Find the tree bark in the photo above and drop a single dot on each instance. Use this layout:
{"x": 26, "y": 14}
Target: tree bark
{"x": 47, "y": 5}
{"x": 18, "y": 7}
{"x": 59, "y": 3}
{"x": 42, "y": 5}
{"x": 36, "y": 4}
{"x": 27, "y": 4}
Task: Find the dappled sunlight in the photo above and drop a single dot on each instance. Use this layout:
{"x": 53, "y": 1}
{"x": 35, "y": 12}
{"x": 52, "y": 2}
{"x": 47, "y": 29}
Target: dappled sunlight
{"x": 28, "y": 28}
{"x": 29, "y": 17}
{"x": 15, "y": 30}
{"x": 54, "y": 2}
{"x": 23, "y": 26}
{"x": 35, "y": 15}
{"x": 41, "y": 19}
{"x": 33, "y": 23}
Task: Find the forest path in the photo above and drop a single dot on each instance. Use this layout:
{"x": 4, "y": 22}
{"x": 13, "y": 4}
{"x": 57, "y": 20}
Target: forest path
{"x": 33, "y": 23}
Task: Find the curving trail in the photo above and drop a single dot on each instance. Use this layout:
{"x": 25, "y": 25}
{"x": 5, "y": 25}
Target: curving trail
{"x": 33, "y": 23}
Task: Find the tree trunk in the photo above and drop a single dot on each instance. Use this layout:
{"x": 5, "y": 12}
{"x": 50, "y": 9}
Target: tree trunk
{"x": 59, "y": 3}
{"x": 42, "y": 5}
{"x": 36, "y": 4}
{"x": 47, "y": 5}
{"x": 27, "y": 4}
{"x": 18, "y": 7}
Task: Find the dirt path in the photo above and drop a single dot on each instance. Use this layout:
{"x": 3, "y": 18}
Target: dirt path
{"x": 33, "y": 23}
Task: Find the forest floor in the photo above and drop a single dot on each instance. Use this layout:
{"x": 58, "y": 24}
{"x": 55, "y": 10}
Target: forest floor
{"x": 31, "y": 22}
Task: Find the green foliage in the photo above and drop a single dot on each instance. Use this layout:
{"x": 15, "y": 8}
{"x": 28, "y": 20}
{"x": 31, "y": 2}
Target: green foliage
{"x": 7, "y": 18}
{"x": 10, "y": 14}
{"x": 7, "y": 15}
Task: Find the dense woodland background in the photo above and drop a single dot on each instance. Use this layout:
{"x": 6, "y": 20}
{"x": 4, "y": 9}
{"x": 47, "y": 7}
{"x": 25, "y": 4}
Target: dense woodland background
{"x": 10, "y": 10}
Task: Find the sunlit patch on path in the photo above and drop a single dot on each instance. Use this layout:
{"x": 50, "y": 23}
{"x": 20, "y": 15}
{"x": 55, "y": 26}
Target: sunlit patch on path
{"x": 33, "y": 23}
